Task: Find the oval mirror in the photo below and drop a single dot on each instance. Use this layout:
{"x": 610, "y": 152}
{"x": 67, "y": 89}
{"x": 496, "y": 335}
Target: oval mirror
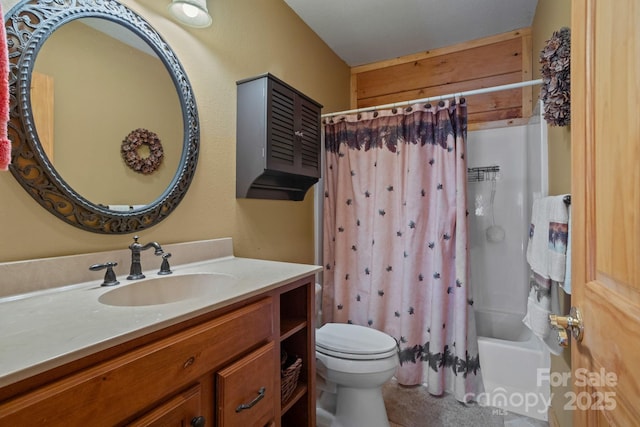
{"x": 103, "y": 124}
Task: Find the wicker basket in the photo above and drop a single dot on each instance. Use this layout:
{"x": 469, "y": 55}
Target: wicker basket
{"x": 289, "y": 377}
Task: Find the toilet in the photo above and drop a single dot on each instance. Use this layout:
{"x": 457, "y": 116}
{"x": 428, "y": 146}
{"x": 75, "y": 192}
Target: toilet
{"x": 353, "y": 362}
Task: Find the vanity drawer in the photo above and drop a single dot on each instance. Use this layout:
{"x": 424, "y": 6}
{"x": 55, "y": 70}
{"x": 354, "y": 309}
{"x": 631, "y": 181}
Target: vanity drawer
{"x": 181, "y": 410}
{"x": 246, "y": 390}
{"x": 144, "y": 376}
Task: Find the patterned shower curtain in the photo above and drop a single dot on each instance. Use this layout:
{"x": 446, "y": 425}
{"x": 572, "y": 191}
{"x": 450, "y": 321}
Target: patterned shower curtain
{"x": 395, "y": 239}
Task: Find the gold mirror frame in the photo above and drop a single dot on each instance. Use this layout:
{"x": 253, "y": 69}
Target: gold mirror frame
{"x": 28, "y": 25}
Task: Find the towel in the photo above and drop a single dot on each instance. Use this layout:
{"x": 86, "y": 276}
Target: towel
{"x": 548, "y": 237}
{"x": 547, "y": 256}
{"x": 543, "y": 300}
{"x": 5, "y": 143}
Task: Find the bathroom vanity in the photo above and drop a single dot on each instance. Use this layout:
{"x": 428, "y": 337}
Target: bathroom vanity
{"x": 92, "y": 355}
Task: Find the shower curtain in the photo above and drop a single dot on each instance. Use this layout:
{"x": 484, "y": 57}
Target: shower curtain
{"x": 395, "y": 239}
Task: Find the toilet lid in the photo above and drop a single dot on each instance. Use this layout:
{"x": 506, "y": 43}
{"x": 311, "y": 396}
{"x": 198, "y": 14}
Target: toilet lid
{"x": 354, "y": 341}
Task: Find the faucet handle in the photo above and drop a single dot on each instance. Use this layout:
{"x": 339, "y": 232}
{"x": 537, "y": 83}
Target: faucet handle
{"x": 109, "y": 275}
{"x": 165, "y": 268}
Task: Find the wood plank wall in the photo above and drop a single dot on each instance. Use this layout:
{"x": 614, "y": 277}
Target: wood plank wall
{"x": 491, "y": 61}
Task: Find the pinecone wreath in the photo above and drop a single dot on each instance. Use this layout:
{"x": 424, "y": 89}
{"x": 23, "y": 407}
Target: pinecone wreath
{"x": 130, "y": 146}
{"x": 556, "y": 79}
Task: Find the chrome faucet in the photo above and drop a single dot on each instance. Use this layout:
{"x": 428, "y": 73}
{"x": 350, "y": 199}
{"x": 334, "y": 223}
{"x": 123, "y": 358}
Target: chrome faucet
{"x": 135, "y": 272}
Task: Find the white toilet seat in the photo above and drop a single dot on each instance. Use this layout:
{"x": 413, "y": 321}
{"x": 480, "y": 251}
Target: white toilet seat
{"x": 356, "y": 366}
{"x": 351, "y": 356}
{"x": 354, "y": 342}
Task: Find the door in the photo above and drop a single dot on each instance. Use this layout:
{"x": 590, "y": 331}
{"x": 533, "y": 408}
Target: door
{"x": 308, "y": 123}
{"x": 42, "y": 102}
{"x": 281, "y": 128}
{"x": 605, "y": 143}
{"x": 293, "y": 132}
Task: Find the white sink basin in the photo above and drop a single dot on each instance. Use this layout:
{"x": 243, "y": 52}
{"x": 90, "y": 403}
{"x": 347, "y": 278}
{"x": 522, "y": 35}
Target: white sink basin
{"x": 168, "y": 289}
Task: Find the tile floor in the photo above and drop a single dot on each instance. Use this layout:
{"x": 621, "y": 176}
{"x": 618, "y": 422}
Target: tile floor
{"x": 414, "y": 407}
{"x": 510, "y": 420}
{"x": 515, "y": 420}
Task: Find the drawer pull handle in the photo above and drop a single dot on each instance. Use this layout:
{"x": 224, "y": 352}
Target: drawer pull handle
{"x": 249, "y": 405}
{"x": 189, "y": 362}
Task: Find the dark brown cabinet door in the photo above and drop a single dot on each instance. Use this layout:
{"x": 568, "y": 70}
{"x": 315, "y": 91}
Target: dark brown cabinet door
{"x": 293, "y": 135}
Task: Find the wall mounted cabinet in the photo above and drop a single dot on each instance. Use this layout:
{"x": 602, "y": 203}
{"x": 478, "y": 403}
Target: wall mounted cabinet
{"x": 278, "y": 140}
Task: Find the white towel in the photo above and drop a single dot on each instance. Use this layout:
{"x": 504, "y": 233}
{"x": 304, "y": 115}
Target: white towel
{"x": 551, "y": 341}
{"x": 547, "y": 256}
{"x": 543, "y": 300}
{"x": 548, "y": 234}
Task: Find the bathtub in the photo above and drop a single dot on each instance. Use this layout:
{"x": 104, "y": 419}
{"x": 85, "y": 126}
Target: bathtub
{"x": 510, "y": 357}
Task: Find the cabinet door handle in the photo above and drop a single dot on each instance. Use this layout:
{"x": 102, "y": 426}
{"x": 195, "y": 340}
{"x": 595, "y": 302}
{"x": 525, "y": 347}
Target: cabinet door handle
{"x": 249, "y": 405}
{"x": 299, "y": 133}
{"x": 198, "y": 422}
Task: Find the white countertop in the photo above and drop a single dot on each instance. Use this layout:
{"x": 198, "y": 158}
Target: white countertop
{"x": 50, "y": 328}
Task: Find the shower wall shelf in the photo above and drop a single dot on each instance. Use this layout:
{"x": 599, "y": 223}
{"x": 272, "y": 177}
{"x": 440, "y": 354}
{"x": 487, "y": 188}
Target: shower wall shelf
{"x": 483, "y": 173}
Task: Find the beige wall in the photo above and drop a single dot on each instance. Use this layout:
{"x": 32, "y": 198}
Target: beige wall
{"x": 551, "y": 15}
{"x": 247, "y": 38}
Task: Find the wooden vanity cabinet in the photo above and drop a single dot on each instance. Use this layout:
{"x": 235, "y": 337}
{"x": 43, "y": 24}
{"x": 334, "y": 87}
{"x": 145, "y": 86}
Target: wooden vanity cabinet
{"x": 195, "y": 375}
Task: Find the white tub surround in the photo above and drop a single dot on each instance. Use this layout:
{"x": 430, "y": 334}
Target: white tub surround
{"x": 513, "y": 361}
{"x": 58, "y": 321}
{"x": 511, "y": 357}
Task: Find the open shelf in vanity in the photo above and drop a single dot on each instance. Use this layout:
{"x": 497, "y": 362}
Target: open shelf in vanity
{"x": 297, "y": 337}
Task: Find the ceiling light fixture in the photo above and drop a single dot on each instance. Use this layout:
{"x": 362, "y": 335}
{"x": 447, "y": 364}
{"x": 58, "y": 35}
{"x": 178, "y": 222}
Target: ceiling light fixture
{"x": 193, "y": 13}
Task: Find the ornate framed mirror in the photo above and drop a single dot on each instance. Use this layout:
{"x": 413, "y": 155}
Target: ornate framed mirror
{"x": 84, "y": 77}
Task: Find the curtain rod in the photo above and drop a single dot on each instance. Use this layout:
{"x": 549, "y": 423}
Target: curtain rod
{"x": 438, "y": 97}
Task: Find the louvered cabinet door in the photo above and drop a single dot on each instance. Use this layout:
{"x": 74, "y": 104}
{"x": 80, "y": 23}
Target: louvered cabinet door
{"x": 308, "y": 128}
{"x": 281, "y": 136}
{"x": 293, "y": 132}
